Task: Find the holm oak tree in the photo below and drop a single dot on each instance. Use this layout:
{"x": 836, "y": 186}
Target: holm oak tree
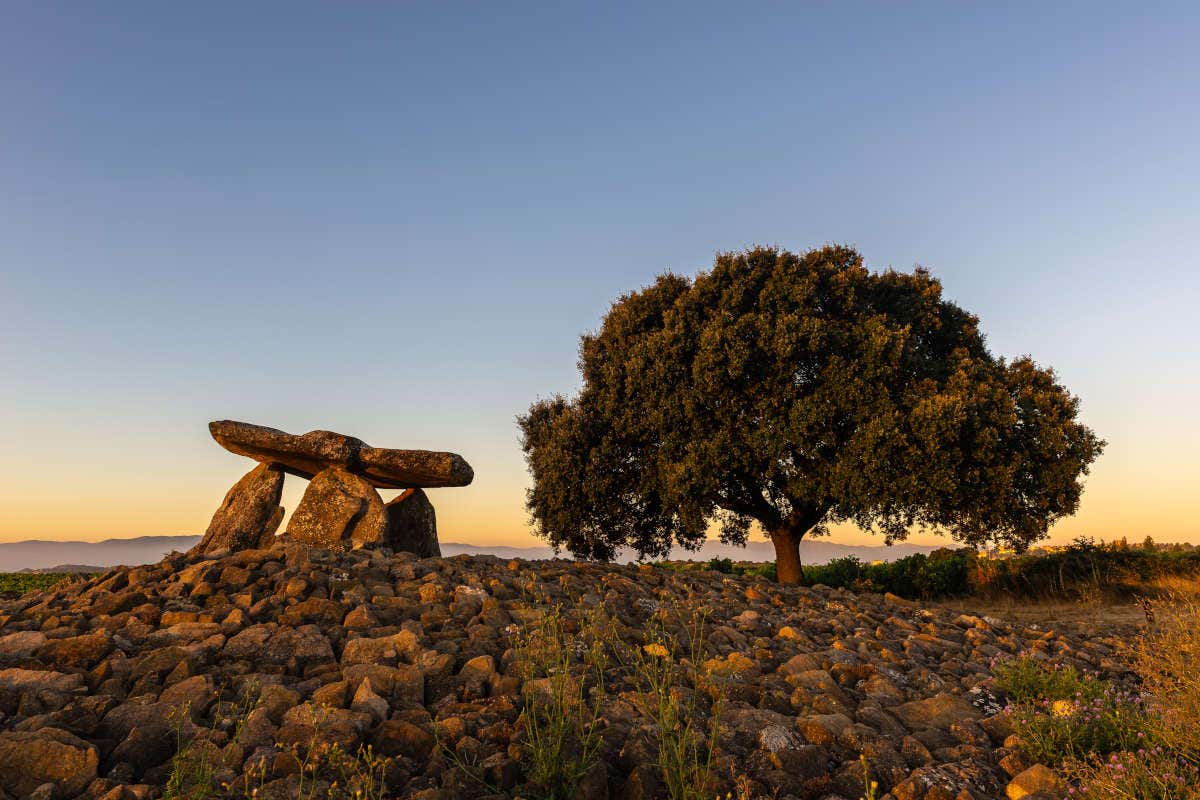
{"x": 796, "y": 391}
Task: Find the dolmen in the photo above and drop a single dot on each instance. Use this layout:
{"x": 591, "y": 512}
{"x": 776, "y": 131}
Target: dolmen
{"x": 341, "y": 508}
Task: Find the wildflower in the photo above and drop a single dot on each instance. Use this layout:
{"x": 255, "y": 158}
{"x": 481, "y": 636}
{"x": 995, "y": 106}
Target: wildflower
{"x": 1062, "y": 708}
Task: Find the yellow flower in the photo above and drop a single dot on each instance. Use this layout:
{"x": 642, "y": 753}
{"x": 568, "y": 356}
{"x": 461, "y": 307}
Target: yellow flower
{"x": 1062, "y": 708}
{"x": 657, "y": 650}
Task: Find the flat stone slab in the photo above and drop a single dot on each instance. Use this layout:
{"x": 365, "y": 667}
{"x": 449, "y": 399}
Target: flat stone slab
{"x": 308, "y": 454}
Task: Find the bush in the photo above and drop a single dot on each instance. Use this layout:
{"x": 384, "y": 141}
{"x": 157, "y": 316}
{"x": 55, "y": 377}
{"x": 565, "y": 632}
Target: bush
{"x": 721, "y": 565}
{"x": 1024, "y": 680}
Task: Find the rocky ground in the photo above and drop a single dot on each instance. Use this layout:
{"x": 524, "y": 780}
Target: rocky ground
{"x": 261, "y": 658}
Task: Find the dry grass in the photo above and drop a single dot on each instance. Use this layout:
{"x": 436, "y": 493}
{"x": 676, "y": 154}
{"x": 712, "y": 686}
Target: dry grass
{"x": 1165, "y": 765}
{"x": 1114, "y": 742}
{"x": 1096, "y": 614}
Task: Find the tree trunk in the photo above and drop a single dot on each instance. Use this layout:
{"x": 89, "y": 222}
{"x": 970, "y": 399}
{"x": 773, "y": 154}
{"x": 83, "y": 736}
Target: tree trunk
{"x": 787, "y": 554}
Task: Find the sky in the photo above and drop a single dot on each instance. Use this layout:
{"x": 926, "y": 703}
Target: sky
{"x": 395, "y": 221}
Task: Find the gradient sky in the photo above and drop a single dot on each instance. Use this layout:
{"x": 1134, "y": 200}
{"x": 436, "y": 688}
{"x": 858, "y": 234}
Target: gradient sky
{"x": 395, "y": 221}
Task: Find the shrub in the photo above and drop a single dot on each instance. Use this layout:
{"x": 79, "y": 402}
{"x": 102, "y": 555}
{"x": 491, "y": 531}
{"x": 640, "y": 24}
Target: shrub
{"x": 1056, "y": 731}
{"x": 1025, "y": 680}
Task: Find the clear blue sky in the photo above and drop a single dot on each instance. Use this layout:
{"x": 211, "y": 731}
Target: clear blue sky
{"x": 396, "y": 220}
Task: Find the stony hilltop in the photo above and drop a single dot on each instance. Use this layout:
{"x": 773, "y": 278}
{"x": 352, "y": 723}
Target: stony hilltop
{"x": 260, "y": 658}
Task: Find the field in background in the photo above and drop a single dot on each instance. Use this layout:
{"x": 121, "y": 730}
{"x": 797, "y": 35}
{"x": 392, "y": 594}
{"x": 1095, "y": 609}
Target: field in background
{"x": 1081, "y": 571}
{"x": 15, "y": 584}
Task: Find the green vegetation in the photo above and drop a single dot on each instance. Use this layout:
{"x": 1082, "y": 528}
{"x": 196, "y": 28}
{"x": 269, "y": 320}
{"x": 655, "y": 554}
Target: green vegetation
{"x": 1065, "y": 715}
{"x": 1078, "y": 570}
{"x": 664, "y": 668}
{"x": 795, "y": 391}
{"x": 870, "y": 786}
{"x": 573, "y": 664}
{"x": 18, "y": 583}
{"x": 563, "y": 701}
{"x": 1025, "y": 680}
{"x": 1117, "y": 742}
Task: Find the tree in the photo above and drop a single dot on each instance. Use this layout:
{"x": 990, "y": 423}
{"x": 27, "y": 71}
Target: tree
{"x": 796, "y": 391}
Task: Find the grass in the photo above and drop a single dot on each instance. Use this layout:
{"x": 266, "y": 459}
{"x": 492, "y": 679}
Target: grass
{"x": 870, "y": 786}
{"x": 564, "y": 676}
{"x": 1025, "y": 680}
{"x": 663, "y": 667}
{"x": 571, "y": 662}
{"x": 1114, "y": 742}
{"x": 326, "y": 773}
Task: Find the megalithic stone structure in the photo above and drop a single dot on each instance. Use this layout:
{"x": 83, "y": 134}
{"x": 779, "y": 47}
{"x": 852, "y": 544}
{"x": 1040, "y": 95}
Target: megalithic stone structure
{"x": 341, "y": 508}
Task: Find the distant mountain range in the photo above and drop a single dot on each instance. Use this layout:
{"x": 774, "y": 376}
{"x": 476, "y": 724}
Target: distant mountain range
{"x": 49, "y": 556}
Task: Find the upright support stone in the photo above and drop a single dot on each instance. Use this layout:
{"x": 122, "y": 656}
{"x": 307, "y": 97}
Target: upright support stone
{"x": 412, "y": 524}
{"x": 339, "y": 509}
{"x": 249, "y": 515}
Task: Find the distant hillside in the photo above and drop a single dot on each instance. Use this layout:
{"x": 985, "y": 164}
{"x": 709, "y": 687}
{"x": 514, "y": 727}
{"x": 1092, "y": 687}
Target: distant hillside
{"x": 37, "y": 555}
{"x": 61, "y": 569}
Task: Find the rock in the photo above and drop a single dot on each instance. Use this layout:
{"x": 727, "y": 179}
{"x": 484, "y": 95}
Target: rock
{"x": 30, "y": 759}
{"x": 412, "y": 525}
{"x": 278, "y": 650}
{"x": 76, "y": 651}
{"x": 195, "y": 694}
{"x": 155, "y": 719}
{"x": 367, "y": 701}
{"x": 1037, "y": 779}
{"x": 339, "y": 509}
{"x": 143, "y": 749}
{"x": 249, "y": 515}
{"x": 396, "y": 737}
{"x": 34, "y": 680}
{"x": 938, "y": 712}
{"x": 21, "y": 644}
{"x": 314, "y": 452}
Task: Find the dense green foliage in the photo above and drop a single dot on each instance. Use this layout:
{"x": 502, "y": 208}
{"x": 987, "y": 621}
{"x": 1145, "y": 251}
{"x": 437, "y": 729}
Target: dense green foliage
{"x": 1025, "y": 680}
{"x": 18, "y": 583}
{"x": 795, "y": 391}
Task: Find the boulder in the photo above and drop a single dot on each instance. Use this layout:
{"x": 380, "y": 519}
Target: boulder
{"x": 249, "y": 515}
{"x": 29, "y": 759}
{"x": 339, "y": 509}
{"x": 412, "y": 525}
{"x": 311, "y": 453}
{"x": 938, "y": 712}
{"x": 1037, "y": 780}
{"x": 21, "y": 644}
{"x": 76, "y": 651}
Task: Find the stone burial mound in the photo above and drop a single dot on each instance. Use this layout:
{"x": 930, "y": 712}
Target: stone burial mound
{"x": 246, "y": 672}
{"x": 341, "y": 509}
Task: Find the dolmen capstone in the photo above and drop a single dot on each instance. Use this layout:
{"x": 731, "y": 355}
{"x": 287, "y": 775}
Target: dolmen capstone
{"x": 341, "y": 508}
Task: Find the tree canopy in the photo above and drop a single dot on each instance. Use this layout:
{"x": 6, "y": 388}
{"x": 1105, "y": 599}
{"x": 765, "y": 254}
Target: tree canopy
{"x": 797, "y": 391}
